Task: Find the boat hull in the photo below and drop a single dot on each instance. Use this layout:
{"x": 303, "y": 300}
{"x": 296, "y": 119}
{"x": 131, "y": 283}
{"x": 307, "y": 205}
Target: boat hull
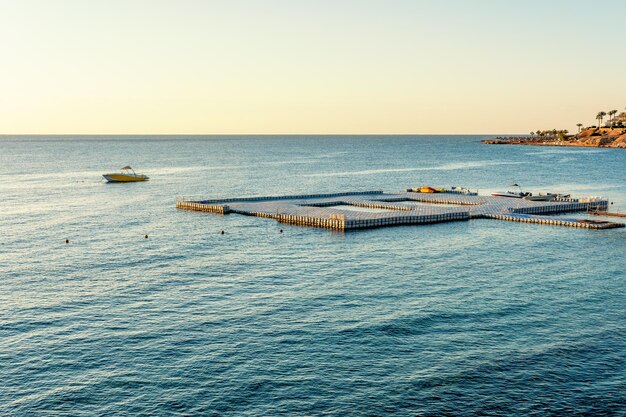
{"x": 124, "y": 178}
{"x": 509, "y": 195}
{"x": 426, "y": 189}
{"x": 540, "y": 197}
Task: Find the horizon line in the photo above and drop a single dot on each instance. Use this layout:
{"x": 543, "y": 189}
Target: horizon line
{"x": 257, "y": 134}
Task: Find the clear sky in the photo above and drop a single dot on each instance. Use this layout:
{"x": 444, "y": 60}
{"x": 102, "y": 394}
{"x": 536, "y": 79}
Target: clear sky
{"x": 316, "y": 66}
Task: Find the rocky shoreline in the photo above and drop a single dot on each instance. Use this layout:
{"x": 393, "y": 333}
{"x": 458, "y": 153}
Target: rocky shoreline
{"x": 593, "y": 137}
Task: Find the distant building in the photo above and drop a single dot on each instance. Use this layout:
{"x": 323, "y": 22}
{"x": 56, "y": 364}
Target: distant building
{"x": 619, "y": 119}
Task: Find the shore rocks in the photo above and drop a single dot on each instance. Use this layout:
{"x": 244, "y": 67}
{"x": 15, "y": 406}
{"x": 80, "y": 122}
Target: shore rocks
{"x": 595, "y": 137}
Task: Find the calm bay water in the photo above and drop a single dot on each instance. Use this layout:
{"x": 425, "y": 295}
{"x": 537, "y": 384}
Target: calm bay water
{"x": 465, "y": 318}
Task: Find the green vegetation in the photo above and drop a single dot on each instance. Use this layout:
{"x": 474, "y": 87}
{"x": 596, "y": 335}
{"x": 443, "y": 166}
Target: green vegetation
{"x": 612, "y": 134}
{"x": 599, "y": 117}
{"x": 615, "y": 120}
{"x": 547, "y": 135}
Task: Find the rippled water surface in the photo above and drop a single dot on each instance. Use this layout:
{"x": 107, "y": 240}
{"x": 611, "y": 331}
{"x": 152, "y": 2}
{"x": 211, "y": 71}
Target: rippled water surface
{"x": 465, "y": 318}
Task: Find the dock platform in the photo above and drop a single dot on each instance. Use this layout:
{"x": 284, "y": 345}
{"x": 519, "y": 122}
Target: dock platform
{"x": 367, "y": 209}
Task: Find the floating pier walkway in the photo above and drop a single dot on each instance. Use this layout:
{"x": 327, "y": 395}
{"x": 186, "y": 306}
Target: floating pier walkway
{"x": 556, "y": 221}
{"x": 366, "y": 209}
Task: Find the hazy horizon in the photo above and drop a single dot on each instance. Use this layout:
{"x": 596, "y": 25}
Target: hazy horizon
{"x": 307, "y": 68}
{"x": 253, "y": 134}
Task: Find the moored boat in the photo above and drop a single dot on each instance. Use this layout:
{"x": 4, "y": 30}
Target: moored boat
{"x": 510, "y": 194}
{"x": 453, "y": 190}
{"x": 547, "y": 197}
{"x": 126, "y": 174}
{"x": 426, "y": 189}
{"x": 541, "y": 197}
{"x": 461, "y": 190}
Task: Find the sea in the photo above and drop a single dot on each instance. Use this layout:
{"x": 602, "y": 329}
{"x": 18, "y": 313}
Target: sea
{"x": 479, "y": 317}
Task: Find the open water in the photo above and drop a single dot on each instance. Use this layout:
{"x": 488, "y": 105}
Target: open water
{"x": 469, "y": 318}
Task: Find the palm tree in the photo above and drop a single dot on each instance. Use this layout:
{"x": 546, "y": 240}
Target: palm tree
{"x": 611, "y": 113}
{"x": 599, "y": 117}
{"x": 580, "y": 125}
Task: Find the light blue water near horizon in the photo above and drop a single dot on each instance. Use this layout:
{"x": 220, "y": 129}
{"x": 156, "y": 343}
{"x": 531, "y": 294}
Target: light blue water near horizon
{"x": 467, "y": 318}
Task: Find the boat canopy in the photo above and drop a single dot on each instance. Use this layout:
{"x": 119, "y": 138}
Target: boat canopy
{"x": 126, "y": 167}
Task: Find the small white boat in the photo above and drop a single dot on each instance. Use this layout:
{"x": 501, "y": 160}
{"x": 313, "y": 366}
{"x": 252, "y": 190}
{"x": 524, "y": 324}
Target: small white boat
{"x": 461, "y": 190}
{"x": 508, "y": 194}
{"x": 127, "y": 174}
{"x": 540, "y": 197}
{"x": 512, "y": 194}
{"x": 547, "y": 197}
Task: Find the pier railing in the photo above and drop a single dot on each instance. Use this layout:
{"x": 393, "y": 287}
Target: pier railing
{"x": 562, "y": 207}
{"x": 199, "y": 206}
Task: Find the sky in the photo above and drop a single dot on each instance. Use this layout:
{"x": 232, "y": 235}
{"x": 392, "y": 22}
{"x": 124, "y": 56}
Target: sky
{"x": 308, "y": 67}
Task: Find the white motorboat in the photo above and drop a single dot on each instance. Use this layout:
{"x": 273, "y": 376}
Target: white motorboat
{"x": 509, "y": 194}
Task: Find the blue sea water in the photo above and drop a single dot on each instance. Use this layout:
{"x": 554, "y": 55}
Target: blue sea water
{"x": 467, "y": 318}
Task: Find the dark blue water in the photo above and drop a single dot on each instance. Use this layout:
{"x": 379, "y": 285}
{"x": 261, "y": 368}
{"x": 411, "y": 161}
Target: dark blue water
{"x": 468, "y": 318}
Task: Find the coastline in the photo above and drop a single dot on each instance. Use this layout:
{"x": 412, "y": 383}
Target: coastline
{"x": 589, "y": 138}
{"x": 516, "y": 141}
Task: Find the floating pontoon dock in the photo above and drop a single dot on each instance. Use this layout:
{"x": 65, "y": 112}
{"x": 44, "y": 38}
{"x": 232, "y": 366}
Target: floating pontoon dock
{"x": 365, "y": 209}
